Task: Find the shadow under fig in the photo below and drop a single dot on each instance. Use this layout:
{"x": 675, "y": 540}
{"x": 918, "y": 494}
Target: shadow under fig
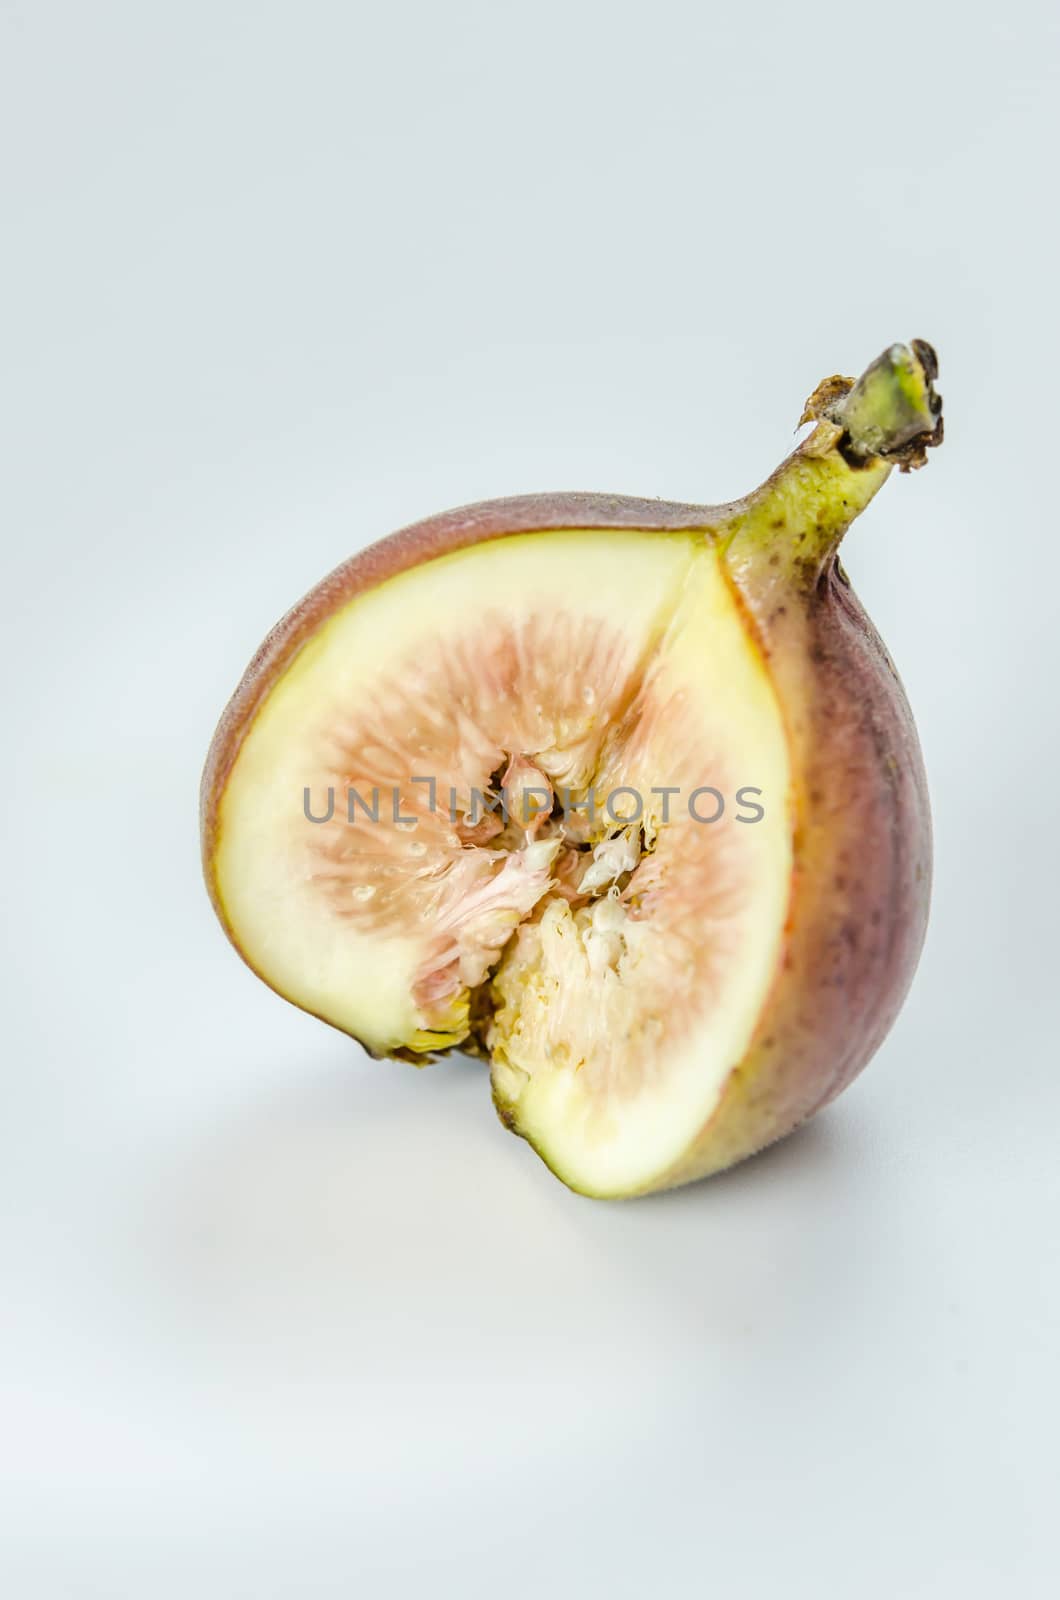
{"x": 371, "y": 1205}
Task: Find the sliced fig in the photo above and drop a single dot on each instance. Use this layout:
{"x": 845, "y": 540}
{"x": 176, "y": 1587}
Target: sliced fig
{"x": 623, "y": 795}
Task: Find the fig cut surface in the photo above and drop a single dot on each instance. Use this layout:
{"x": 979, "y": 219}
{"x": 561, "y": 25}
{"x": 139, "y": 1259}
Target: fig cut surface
{"x": 623, "y": 796}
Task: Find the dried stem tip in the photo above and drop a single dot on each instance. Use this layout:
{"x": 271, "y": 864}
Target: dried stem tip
{"x": 892, "y": 410}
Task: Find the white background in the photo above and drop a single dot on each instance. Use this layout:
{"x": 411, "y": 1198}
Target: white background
{"x": 278, "y": 278}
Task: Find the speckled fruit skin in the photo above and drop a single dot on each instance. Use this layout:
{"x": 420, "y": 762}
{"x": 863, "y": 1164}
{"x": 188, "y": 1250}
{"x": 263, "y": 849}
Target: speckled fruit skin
{"x": 862, "y": 832}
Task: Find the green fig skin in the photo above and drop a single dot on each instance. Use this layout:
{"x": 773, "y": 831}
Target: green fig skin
{"x": 860, "y": 885}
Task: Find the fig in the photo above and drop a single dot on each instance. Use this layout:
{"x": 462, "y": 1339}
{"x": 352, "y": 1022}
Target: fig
{"x": 622, "y": 796}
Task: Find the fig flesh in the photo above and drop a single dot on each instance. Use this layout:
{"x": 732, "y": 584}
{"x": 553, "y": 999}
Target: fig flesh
{"x": 623, "y": 795}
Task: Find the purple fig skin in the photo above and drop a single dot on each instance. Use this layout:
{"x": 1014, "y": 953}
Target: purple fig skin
{"x": 861, "y": 879}
{"x": 861, "y": 876}
{"x": 862, "y": 839}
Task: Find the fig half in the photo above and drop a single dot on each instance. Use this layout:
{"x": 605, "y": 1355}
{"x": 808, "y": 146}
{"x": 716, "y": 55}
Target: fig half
{"x": 624, "y": 796}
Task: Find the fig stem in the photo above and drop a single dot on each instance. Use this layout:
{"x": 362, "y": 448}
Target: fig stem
{"x": 892, "y": 410}
{"x": 889, "y": 417}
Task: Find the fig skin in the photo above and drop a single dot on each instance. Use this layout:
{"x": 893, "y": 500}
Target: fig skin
{"x": 861, "y": 878}
{"x": 860, "y": 887}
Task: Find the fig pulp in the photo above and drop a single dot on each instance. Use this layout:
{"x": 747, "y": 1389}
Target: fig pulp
{"x": 623, "y": 796}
